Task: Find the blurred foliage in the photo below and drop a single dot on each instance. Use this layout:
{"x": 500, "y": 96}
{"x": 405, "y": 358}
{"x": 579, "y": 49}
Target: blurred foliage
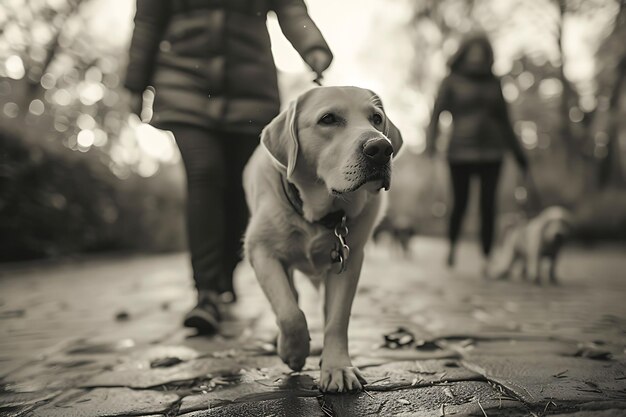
{"x": 77, "y": 173}
{"x": 61, "y": 203}
{"x": 55, "y": 205}
{"x": 569, "y": 125}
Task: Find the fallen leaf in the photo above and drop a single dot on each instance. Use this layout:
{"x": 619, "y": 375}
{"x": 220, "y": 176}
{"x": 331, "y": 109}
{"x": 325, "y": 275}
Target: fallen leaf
{"x": 399, "y": 339}
{"x": 122, "y": 316}
{"x": 165, "y": 362}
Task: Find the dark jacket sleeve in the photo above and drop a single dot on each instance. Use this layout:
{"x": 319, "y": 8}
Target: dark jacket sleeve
{"x": 503, "y": 118}
{"x": 298, "y": 27}
{"x": 442, "y": 102}
{"x": 151, "y": 19}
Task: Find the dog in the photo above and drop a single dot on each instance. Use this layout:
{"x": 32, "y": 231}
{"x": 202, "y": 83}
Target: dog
{"x": 399, "y": 232}
{"x": 535, "y": 241}
{"x": 313, "y": 190}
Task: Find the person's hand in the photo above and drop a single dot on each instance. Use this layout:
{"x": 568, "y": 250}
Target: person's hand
{"x": 135, "y": 103}
{"x": 319, "y": 60}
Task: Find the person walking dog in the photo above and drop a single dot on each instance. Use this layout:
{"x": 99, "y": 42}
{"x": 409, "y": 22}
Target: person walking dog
{"x": 215, "y": 82}
{"x": 481, "y": 135}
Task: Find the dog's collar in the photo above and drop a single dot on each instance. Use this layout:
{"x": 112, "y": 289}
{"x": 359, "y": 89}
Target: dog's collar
{"x": 329, "y": 221}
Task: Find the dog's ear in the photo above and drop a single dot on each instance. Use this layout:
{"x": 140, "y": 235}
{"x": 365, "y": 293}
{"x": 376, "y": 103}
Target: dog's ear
{"x": 393, "y": 134}
{"x": 280, "y": 138}
{"x": 389, "y": 129}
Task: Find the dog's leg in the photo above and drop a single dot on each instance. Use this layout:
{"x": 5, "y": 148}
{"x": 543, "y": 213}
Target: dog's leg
{"x": 533, "y": 265}
{"x": 507, "y": 261}
{"x": 524, "y": 269}
{"x": 337, "y": 373}
{"x": 552, "y": 271}
{"x": 292, "y": 284}
{"x": 293, "y": 342}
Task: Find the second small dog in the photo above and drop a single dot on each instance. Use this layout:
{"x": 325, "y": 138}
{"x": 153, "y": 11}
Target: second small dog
{"x": 533, "y": 242}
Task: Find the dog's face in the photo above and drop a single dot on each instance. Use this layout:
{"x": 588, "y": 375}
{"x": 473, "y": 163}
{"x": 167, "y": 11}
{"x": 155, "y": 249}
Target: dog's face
{"x": 339, "y": 135}
{"x": 557, "y": 231}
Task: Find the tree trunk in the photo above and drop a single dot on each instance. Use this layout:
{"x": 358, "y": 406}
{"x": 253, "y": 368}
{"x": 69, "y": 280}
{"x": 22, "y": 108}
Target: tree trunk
{"x": 566, "y": 94}
{"x": 610, "y": 170}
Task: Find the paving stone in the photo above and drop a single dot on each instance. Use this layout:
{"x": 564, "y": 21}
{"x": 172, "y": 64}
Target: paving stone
{"x": 284, "y": 407}
{"x": 513, "y": 345}
{"x": 535, "y": 379}
{"x": 58, "y": 372}
{"x": 411, "y": 354}
{"x": 21, "y": 399}
{"x": 595, "y": 413}
{"x": 107, "y": 402}
{"x": 257, "y": 390}
{"x": 146, "y": 377}
{"x": 462, "y": 397}
{"x": 603, "y": 405}
{"x": 17, "y": 411}
{"x": 406, "y": 374}
{"x": 138, "y": 374}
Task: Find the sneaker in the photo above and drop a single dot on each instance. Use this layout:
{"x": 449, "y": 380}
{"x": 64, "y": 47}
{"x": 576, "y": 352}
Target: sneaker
{"x": 205, "y": 316}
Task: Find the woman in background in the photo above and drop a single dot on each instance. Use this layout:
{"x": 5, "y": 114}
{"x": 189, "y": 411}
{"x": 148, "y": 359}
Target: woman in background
{"x": 481, "y": 135}
{"x": 215, "y": 82}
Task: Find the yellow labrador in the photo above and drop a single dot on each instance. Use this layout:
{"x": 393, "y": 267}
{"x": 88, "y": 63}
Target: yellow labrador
{"x": 532, "y": 242}
{"x": 312, "y": 187}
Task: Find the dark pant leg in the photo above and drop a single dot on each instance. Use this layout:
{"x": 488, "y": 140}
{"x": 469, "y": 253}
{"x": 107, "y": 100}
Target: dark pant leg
{"x": 460, "y": 174}
{"x": 238, "y": 149}
{"x": 204, "y": 161}
{"x": 489, "y": 173}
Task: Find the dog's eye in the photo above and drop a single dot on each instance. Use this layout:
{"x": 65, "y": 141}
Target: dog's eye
{"x": 328, "y": 119}
{"x": 377, "y": 119}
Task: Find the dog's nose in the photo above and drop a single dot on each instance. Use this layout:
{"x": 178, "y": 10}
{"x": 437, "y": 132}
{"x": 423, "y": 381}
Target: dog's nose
{"x": 378, "y": 150}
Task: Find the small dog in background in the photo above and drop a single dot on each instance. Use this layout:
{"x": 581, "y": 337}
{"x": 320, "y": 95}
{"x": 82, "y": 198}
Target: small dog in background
{"x": 532, "y": 242}
{"x": 397, "y": 233}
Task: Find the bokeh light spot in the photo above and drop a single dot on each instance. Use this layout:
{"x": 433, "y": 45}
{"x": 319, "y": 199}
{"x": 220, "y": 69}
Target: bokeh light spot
{"x": 62, "y": 97}
{"x": 85, "y": 121}
{"x": 576, "y": 115}
{"x": 36, "y": 107}
{"x": 85, "y": 138}
{"x": 11, "y": 110}
{"x": 14, "y": 67}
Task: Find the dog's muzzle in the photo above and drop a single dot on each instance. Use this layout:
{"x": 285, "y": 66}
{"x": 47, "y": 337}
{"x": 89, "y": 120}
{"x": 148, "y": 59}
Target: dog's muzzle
{"x": 378, "y": 151}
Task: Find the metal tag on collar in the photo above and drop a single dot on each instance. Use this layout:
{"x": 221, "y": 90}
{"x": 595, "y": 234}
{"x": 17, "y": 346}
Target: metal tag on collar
{"x": 341, "y": 251}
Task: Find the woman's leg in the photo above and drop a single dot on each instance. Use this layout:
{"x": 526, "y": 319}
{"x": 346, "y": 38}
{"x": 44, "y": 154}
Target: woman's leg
{"x": 460, "y": 176}
{"x": 489, "y": 173}
{"x": 203, "y": 159}
{"x": 238, "y": 149}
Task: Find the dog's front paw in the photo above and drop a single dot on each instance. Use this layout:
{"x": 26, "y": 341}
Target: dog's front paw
{"x": 341, "y": 379}
{"x": 293, "y": 343}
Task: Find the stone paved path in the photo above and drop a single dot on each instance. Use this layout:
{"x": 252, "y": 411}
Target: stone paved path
{"x": 103, "y": 338}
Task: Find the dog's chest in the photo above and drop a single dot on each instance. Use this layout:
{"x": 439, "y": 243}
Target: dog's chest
{"x": 312, "y": 254}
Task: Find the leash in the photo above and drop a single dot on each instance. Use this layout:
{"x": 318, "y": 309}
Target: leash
{"x": 531, "y": 188}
